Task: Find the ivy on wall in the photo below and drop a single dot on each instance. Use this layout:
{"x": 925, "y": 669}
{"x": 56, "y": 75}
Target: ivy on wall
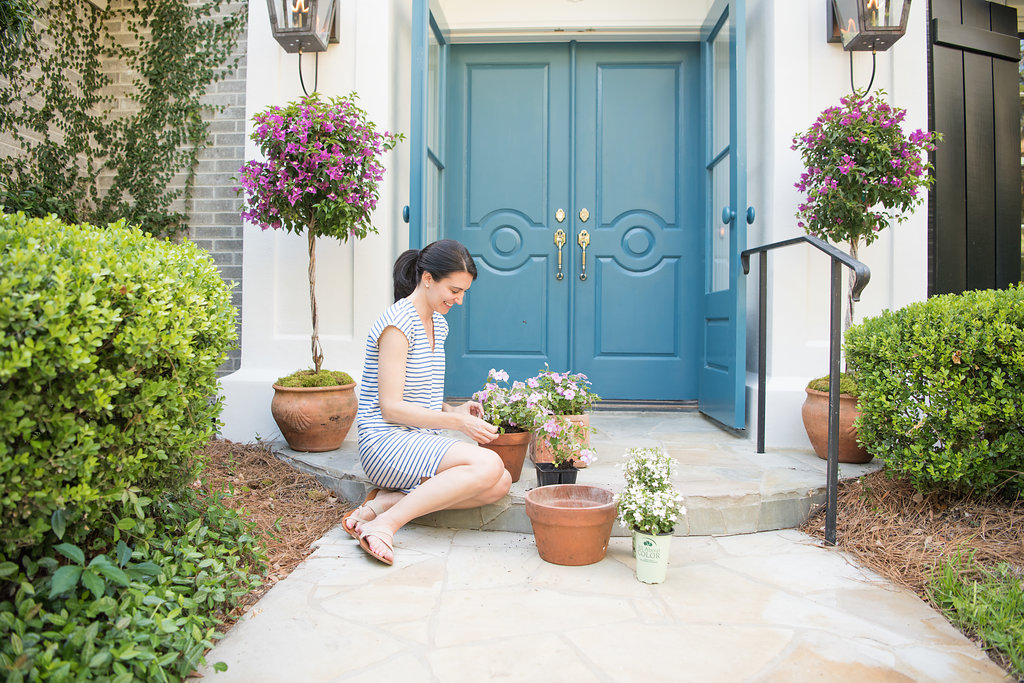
{"x": 107, "y": 107}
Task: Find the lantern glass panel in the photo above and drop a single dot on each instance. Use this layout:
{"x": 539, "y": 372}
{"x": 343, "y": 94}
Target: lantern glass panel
{"x": 882, "y": 13}
{"x": 293, "y": 15}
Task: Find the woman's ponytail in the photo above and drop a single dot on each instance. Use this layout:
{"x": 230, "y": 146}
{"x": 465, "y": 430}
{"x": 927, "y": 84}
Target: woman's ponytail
{"x": 440, "y": 259}
{"x": 406, "y": 275}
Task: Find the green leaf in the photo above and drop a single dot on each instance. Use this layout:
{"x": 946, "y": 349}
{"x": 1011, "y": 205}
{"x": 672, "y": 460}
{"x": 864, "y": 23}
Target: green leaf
{"x": 168, "y": 626}
{"x": 220, "y": 666}
{"x": 100, "y": 659}
{"x": 64, "y": 579}
{"x": 126, "y": 524}
{"x": 7, "y": 569}
{"x": 94, "y": 583}
{"x": 111, "y": 572}
{"x": 124, "y": 553}
{"x": 58, "y": 522}
{"x": 72, "y": 552}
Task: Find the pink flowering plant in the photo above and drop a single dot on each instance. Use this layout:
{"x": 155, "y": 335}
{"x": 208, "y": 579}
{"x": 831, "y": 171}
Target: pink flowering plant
{"x": 510, "y": 408}
{"x": 562, "y": 393}
{"x": 319, "y": 174}
{"x": 567, "y": 441}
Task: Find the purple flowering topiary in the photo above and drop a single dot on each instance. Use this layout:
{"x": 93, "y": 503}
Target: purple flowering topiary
{"x": 319, "y": 175}
{"x": 862, "y": 171}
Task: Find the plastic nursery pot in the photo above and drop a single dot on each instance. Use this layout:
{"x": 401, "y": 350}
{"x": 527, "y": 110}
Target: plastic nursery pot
{"x": 511, "y": 448}
{"x": 651, "y": 552}
{"x": 571, "y": 522}
{"x": 548, "y": 474}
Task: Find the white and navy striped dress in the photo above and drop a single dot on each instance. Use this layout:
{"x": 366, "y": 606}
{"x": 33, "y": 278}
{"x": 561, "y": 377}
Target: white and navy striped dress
{"x": 397, "y": 456}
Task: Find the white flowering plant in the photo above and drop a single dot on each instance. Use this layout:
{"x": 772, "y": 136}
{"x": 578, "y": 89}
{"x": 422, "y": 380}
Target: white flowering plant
{"x": 649, "y": 503}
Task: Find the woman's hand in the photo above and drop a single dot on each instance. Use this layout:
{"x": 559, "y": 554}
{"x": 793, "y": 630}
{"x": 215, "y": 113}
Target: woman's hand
{"x": 471, "y": 424}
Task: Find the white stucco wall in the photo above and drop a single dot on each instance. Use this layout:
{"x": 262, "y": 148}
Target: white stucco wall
{"x": 354, "y": 278}
{"x": 792, "y": 75}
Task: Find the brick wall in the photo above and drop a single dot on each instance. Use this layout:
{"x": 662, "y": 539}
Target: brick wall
{"x": 215, "y": 224}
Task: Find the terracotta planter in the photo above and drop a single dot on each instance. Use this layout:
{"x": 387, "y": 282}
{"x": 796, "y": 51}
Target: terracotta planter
{"x": 571, "y": 522}
{"x": 511, "y": 448}
{"x": 548, "y": 474}
{"x": 541, "y": 451}
{"x": 314, "y": 419}
{"x": 815, "y": 415}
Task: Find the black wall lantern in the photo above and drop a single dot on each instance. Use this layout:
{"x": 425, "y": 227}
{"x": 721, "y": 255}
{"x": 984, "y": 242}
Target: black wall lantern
{"x": 302, "y": 25}
{"x": 867, "y": 24}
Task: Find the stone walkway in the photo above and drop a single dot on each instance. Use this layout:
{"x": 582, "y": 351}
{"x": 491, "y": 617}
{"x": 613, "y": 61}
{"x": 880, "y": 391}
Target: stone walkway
{"x": 469, "y": 603}
{"x": 480, "y": 606}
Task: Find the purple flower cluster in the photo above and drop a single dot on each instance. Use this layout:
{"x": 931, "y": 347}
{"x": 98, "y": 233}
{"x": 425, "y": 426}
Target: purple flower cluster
{"x": 321, "y": 168}
{"x": 862, "y": 171}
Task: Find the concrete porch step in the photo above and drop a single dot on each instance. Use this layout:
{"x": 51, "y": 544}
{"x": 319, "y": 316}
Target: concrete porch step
{"x": 728, "y": 488}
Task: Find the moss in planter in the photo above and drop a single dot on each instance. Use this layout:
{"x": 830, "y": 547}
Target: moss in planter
{"x": 847, "y": 384}
{"x": 308, "y": 378}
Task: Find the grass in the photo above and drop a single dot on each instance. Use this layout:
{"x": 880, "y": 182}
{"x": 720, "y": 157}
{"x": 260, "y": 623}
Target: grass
{"x": 987, "y": 602}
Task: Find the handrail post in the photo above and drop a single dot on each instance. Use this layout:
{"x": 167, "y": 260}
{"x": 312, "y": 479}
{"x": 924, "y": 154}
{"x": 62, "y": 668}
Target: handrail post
{"x": 762, "y": 345}
{"x": 832, "y": 468}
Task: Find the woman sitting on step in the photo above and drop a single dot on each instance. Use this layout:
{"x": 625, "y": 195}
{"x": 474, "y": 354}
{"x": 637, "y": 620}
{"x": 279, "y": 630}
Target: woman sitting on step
{"x": 418, "y": 470}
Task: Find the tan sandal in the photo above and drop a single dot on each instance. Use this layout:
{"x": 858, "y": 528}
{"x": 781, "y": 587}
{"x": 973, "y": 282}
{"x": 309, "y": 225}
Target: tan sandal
{"x": 374, "y": 506}
{"x": 385, "y": 537}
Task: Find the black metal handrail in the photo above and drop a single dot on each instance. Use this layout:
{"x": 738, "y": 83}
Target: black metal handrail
{"x": 861, "y": 277}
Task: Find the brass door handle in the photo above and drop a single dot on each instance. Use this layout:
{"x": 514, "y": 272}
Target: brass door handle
{"x": 559, "y": 242}
{"x": 583, "y": 239}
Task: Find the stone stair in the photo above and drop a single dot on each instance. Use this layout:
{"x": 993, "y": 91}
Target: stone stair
{"x": 727, "y": 487}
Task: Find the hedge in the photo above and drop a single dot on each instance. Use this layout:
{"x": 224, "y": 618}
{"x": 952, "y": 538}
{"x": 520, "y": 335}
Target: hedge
{"x": 942, "y": 390}
{"x": 109, "y": 345}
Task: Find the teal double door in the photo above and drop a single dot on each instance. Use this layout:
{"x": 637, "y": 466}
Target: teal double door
{"x": 575, "y": 176}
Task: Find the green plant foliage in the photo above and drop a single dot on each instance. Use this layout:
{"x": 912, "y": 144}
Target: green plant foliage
{"x": 847, "y": 384}
{"x": 942, "y": 390}
{"x": 309, "y": 378}
{"x": 87, "y": 156}
{"x": 109, "y": 345}
{"x": 987, "y": 601}
{"x": 15, "y": 18}
{"x": 141, "y": 600}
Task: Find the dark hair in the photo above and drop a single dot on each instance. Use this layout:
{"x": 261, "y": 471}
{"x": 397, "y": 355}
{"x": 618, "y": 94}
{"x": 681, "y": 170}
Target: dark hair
{"x": 440, "y": 259}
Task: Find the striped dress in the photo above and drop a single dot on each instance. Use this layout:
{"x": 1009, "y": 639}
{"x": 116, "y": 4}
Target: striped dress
{"x": 397, "y": 456}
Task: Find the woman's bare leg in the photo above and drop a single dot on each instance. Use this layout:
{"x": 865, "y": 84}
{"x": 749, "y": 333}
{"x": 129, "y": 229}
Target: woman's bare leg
{"x": 468, "y": 476}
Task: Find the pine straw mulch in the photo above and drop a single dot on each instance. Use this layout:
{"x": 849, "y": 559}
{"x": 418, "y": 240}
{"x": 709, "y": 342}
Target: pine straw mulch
{"x": 901, "y": 534}
{"x": 290, "y": 509}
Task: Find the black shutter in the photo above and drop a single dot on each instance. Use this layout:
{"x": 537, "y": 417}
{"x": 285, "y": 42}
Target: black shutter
{"x": 974, "y": 221}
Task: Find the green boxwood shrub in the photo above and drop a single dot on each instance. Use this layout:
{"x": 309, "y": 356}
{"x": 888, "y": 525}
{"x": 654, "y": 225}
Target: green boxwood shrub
{"x": 942, "y": 390}
{"x": 109, "y": 345}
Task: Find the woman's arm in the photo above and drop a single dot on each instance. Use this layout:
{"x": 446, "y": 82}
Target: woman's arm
{"x": 391, "y": 363}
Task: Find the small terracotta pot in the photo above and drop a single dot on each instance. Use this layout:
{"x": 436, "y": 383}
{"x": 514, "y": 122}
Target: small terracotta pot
{"x": 511, "y": 448}
{"x": 815, "y": 415}
{"x": 314, "y": 419}
{"x": 571, "y": 522}
{"x": 541, "y": 451}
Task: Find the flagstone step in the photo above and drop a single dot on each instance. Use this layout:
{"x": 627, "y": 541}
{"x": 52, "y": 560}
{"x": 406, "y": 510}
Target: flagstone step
{"x": 727, "y": 487}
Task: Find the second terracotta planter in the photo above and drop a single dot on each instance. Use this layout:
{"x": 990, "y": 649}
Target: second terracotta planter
{"x": 815, "y": 416}
{"x": 511, "y": 448}
{"x": 571, "y": 522}
{"x": 541, "y": 451}
{"x": 314, "y": 419}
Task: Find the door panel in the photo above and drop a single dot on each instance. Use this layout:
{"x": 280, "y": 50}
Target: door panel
{"x": 610, "y": 129}
{"x": 508, "y": 176}
{"x": 723, "y": 353}
{"x": 637, "y": 161}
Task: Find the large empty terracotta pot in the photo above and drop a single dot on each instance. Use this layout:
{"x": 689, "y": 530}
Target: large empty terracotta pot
{"x": 571, "y": 522}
